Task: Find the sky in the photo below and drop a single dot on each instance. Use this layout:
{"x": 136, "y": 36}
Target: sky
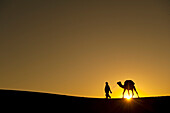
{"x": 73, "y": 47}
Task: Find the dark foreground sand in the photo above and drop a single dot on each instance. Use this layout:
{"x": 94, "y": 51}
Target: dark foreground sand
{"x": 32, "y": 102}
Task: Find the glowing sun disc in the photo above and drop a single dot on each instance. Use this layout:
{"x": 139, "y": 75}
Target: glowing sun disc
{"x": 128, "y": 97}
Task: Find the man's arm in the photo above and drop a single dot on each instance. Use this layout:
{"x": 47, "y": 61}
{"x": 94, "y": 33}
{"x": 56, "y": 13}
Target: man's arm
{"x": 110, "y": 90}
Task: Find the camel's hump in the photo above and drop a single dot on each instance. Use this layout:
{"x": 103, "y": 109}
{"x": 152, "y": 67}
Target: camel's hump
{"x": 129, "y": 81}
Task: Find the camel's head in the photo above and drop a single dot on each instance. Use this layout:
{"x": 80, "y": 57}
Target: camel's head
{"x": 119, "y": 83}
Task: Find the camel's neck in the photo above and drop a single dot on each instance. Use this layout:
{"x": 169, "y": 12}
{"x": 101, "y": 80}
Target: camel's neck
{"x": 120, "y": 84}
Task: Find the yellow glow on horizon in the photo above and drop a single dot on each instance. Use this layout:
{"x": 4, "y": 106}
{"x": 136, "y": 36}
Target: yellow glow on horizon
{"x": 128, "y": 97}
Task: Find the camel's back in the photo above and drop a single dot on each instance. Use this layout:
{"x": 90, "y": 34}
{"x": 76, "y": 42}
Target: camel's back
{"x": 129, "y": 83}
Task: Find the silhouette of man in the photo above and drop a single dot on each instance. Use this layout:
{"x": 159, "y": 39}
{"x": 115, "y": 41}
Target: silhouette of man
{"x": 107, "y": 90}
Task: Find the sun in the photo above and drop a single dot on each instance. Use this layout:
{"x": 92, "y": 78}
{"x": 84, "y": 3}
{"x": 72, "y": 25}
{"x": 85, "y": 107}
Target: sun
{"x": 128, "y": 97}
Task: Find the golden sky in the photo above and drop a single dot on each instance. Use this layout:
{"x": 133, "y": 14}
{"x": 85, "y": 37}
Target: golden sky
{"x": 74, "y": 46}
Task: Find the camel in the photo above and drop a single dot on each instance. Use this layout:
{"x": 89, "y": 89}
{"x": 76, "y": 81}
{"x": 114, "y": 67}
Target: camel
{"x": 128, "y": 85}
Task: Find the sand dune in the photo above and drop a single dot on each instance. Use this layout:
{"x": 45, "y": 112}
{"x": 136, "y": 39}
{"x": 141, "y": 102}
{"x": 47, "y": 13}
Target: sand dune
{"x": 24, "y": 101}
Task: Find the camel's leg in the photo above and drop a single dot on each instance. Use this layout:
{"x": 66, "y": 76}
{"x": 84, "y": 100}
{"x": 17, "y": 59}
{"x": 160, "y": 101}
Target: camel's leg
{"x": 132, "y": 93}
{"x": 136, "y": 91}
{"x": 128, "y": 92}
{"x": 124, "y": 92}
